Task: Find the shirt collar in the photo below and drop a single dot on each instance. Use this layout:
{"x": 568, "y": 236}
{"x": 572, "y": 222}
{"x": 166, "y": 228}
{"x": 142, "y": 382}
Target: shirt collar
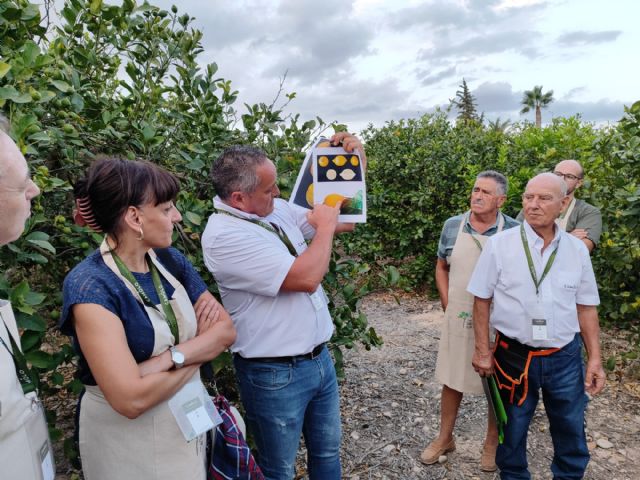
{"x": 219, "y": 204}
{"x": 534, "y": 239}
{"x": 467, "y": 219}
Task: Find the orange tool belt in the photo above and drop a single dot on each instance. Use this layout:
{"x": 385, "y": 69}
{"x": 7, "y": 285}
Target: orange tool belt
{"x": 511, "y": 360}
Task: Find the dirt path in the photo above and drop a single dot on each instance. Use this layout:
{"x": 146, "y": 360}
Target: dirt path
{"x": 390, "y": 408}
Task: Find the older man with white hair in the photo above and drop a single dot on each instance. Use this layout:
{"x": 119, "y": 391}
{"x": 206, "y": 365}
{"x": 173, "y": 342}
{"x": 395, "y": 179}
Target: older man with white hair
{"x": 579, "y": 218}
{"x": 25, "y": 448}
{"x": 541, "y": 284}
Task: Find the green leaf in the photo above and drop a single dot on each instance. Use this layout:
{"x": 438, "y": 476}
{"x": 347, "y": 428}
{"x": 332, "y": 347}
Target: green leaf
{"x": 610, "y": 364}
{"x": 29, "y": 52}
{"x": 44, "y": 245}
{"x": 193, "y": 218}
{"x": 57, "y": 378}
{"x": 8, "y": 93}
{"x": 95, "y": 6}
{"x": 195, "y": 164}
{"x": 61, "y": 85}
{"x": 19, "y": 291}
{"x": 23, "y": 98}
{"x": 77, "y": 103}
{"x": 39, "y": 137}
{"x": 34, "y": 322}
{"x": 40, "y": 359}
{"x": 46, "y": 96}
{"x": 35, "y": 257}
{"x": 4, "y": 69}
{"x": 148, "y": 132}
{"x": 30, "y": 12}
{"x": 34, "y": 298}
{"x": 29, "y": 340}
{"x": 37, "y": 236}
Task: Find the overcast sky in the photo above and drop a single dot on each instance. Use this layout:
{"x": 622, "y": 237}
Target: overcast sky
{"x": 369, "y": 61}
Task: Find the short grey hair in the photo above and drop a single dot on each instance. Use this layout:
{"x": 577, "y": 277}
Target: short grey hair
{"x": 235, "y": 170}
{"x": 4, "y": 124}
{"x": 500, "y": 179}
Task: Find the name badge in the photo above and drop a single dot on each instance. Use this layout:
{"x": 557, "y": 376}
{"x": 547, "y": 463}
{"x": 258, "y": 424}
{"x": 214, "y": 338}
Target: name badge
{"x": 46, "y": 462}
{"x": 193, "y": 410}
{"x": 539, "y": 329}
{"x": 317, "y": 299}
{"x": 538, "y": 321}
{"x": 38, "y": 436}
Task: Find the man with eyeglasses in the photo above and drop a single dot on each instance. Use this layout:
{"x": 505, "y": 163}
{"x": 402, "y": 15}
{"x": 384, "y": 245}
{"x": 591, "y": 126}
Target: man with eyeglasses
{"x": 579, "y": 218}
{"x": 460, "y": 245}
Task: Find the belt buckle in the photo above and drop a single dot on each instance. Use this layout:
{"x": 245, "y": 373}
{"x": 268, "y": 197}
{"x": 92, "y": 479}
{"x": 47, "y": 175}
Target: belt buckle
{"x": 314, "y": 354}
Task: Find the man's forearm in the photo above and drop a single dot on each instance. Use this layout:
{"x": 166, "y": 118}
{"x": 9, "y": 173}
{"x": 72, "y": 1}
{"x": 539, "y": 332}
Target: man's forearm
{"x": 590, "y": 330}
{"x": 442, "y": 282}
{"x": 311, "y": 266}
{"x": 481, "y": 309}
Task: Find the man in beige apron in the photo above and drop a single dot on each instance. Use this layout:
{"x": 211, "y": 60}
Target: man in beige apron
{"x": 579, "y": 218}
{"x": 25, "y": 448}
{"x": 460, "y": 246}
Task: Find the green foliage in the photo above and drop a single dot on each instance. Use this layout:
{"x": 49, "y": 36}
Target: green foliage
{"x": 125, "y": 80}
{"x": 617, "y": 188}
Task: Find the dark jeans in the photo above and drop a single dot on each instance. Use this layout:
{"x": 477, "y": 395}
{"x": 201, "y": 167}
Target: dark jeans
{"x": 560, "y": 377}
{"x": 283, "y": 401}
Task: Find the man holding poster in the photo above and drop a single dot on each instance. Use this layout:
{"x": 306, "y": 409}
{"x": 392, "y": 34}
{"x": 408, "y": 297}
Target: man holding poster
{"x": 270, "y": 282}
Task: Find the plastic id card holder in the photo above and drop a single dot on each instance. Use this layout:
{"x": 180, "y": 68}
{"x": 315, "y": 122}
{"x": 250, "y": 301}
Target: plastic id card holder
{"x": 318, "y": 299}
{"x": 539, "y": 324}
{"x": 39, "y": 444}
{"x": 194, "y": 410}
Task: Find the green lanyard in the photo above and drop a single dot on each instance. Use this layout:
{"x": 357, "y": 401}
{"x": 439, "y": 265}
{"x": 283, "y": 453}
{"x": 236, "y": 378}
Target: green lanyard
{"x": 169, "y": 314}
{"x": 532, "y": 270}
{"x": 27, "y": 378}
{"x": 473, "y": 237}
{"x": 272, "y": 227}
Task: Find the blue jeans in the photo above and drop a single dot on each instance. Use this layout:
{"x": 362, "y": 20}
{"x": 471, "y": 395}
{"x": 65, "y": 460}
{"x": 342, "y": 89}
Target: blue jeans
{"x": 560, "y": 376}
{"x": 283, "y": 400}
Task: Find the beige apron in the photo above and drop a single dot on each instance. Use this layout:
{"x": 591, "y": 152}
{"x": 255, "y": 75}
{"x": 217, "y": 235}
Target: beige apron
{"x": 24, "y": 436}
{"x": 457, "y": 342}
{"x": 564, "y": 217}
{"x": 150, "y": 447}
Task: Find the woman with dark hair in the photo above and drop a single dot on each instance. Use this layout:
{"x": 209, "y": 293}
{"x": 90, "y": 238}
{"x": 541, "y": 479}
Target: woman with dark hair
{"x": 143, "y": 322}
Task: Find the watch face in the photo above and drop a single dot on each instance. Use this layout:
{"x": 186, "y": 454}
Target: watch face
{"x": 177, "y": 357}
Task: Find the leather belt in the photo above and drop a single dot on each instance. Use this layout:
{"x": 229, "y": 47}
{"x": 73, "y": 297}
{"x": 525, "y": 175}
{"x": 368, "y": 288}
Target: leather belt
{"x": 307, "y": 356}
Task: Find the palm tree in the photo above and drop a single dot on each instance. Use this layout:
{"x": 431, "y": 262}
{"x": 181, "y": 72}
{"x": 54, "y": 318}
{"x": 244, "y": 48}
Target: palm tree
{"x": 498, "y": 125}
{"x": 536, "y": 99}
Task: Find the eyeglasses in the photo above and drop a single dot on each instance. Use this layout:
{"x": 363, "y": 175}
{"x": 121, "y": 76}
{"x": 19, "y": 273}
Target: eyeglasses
{"x": 567, "y": 176}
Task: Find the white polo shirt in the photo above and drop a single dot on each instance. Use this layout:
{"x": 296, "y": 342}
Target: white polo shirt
{"x": 502, "y": 272}
{"x": 249, "y": 264}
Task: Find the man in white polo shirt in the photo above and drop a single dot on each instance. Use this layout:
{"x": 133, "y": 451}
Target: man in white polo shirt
{"x": 270, "y": 282}
{"x": 544, "y": 295}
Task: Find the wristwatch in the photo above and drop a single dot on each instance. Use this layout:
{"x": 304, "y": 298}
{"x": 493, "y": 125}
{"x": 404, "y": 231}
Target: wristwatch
{"x": 177, "y": 357}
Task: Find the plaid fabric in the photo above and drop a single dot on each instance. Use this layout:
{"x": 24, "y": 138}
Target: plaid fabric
{"x": 231, "y": 458}
{"x": 450, "y": 232}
